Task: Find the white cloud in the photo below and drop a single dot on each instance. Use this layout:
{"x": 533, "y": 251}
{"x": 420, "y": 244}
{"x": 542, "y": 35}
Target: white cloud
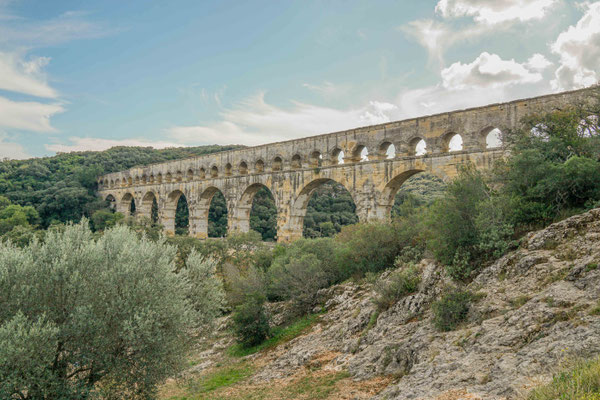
{"x": 254, "y": 121}
{"x": 99, "y": 144}
{"x": 30, "y": 115}
{"x": 495, "y": 11}
{"x": 24, "y": 76}
{"x": 14, "y": 151}
{"x": 579, "y": 51}
{"x": 487, "y": 71}
{"x": 538, "y": 62}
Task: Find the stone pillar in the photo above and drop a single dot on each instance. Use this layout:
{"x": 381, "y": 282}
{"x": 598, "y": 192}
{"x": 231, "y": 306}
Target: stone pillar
{"x": 166, "y": 217}
{"x": 369, "y": 208}
{"x": 198, "y": 219}
{"x": 239, "y": 219}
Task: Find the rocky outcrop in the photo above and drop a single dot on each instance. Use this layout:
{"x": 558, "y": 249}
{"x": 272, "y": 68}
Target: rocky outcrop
{"x": 534, "y": 313}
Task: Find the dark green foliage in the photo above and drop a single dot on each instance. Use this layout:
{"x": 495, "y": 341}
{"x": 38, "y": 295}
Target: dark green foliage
{"x": 329, "y": 209}
{"x": 217, "y": 216}
{"x": 250, "y": 322}
{"x": 103, "y": 219}
{"x": 263, "y": 215}
{"x": 419, "y": 190}
{"x": 451, "y": 310}
{"x": 62, "y": 188}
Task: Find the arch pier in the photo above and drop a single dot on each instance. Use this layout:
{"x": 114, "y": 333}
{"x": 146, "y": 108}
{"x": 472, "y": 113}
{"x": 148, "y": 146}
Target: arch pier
{"x": 371, "y": 162}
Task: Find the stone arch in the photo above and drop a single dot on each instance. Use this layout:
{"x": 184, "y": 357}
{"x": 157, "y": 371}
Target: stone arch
{"x": 214, "y": 172}
{"x": 190, "y": 175}
{"x": 170, "y": 210}
{"x": 127, "y": 204}
{"x": 159, "y": 178}
{"x": 202, "y": 173}
{"x": 144, "y": 179}
{"x": 111, "y": 184}
{"x": 151, "y": 178}
{"x": 129, "y": 181}
{"x": 259, "y": 166}
{"x": 203, "y": 208}
{"x": 168, "y": 177}
{"x": 491, "y": 138}
{"x": 228, "y": 169}
{"x": 149, "y": 201}
{"x": 300, "y": 203}
{"x": 277, "y": 164}
{"x": 296, "y": 161}
{"x": 360, "y": 153}
{"x": 451, "y": 142}
{"x": 240, "y": 220}
{"x": 387, "y": 150}
{"x": 243, "y": 168}
{"x": 137, "y": 180}
{"x": 391, "y": 188}
{"x": 417, "y": 146}
{"x": 179, "y": 176}
{"x": 337, "y": 156}
{"x": 111, "y": 201}
{"x": 316, "y": 159}
{"x": 123, "y": 182}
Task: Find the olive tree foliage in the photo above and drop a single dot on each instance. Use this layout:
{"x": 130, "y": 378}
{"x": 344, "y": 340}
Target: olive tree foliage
{"x": 108, "y": 318}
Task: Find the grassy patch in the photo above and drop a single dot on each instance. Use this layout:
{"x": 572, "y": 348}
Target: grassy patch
{"x": 315, "y": 387}
{"x": 596, "y": 309}
{"x": 580, "y": 382}
{"x": 520, "y": 301}
{"x": 217, "y": 379}
{"x": 278, "y": 335}
{"x": 591, "y": 267}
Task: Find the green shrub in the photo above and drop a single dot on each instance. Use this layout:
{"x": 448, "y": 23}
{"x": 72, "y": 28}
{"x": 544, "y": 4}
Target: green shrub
{"x": 112, "y": 309}
{"x": 399, "y": 284}
{"x": 250, "y": 322}
{"x": 451, "y": 310}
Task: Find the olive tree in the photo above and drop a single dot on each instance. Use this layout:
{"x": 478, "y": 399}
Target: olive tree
{"x": 84, "y": 318}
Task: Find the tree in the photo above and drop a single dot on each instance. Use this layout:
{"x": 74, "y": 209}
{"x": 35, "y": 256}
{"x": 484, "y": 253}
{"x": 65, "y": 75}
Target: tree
{"x": 81, "y": 317}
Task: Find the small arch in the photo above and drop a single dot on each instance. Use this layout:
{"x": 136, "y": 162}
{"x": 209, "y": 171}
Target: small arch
{"x": 243, "y": 168}
{"x": 112, "y": 184}
{"x": 337, "y": 156}
{"x": 151, "y": 178}
{"x": 259, "y": 166}
{"x": 296, "y": 161}
{"x": 179, "y": 176}
{"x": 144, "y": 179}
{"x": 168, "y": 177}
{"x": 123, "y": 182}
{"x": 492, "y": 137}
{"x": 214, "y": 171}
{"x": 189, "y": 175}
{"x": 202, "y": 173}
{"x": 316, "y": 159}
{"x": 277, "y": 164}
{"x": 388, "y": 150}
{"x": 452, "y": 142}
{"x": 360, "y": 153}
{"x": 417, "y": 147}
{"x": 129, "y": 181}
{"x": 137, "y": 180}
{"x": 111, "y": 201}
{"x": 159, "y": 178}
{"x": 228, "y": 169}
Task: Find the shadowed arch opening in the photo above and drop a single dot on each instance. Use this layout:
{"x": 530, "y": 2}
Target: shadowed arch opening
{"x": 410, "y": 189}
{"x": 323, "y": 207}
{"x": 202, "y": 173}
{"x": 159, "y": 178}
{"x": 179, "y": 176}
{"x": 178, "y": 210}
{"x": 388, "y": 150}
{"x": 259, "y": 166}
{"x": 296, "y": 161}
{"x": 256, "y": 210}
{"x": 137, "y": 180}
{"x": 111, "y": 201}
{"x": 212, "y": 208}
{"x": 316, "y": 159}
{"x": 128, "y": 204}
{"x": 149, "y": 206}
{"x": 190, "y": 175}
{"x": 168, "y": 177}
{"x": 228, "y": 169}
{"x": 337, "y": 156}
{"x": 360, "y": 153}
{"x": 277, "y": 164}
{"x": 144, "y": 179}
{"x": 243, "y": 168}
{"x": 214, "y": 172}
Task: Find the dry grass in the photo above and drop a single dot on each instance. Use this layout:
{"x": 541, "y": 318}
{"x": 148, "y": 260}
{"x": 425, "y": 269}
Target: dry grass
{"x": 580, "y": 382}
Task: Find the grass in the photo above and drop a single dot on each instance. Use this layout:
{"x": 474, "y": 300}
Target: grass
{"x": 278, "y": 335}
{"x": 596, "y": 309}
{"x": 217, "y": 379}
{"x": 580, "y": 382}
{"x": 520, "y": 301}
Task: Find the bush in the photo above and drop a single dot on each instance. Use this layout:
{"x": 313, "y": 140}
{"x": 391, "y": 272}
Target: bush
{"x": 580, "y": 382}
{"x": 78, "y": 315}
{"x": 399, "y": 284}
{"x": 451, "y": 310}
{"x": 250, "y": 322}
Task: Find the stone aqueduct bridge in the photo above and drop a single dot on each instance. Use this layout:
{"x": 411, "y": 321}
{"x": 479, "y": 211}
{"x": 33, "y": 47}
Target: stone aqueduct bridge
{"x": 293, "y": 169}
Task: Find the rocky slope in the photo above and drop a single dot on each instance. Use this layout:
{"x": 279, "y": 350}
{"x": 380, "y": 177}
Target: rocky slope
{"x": 538, "y": 308}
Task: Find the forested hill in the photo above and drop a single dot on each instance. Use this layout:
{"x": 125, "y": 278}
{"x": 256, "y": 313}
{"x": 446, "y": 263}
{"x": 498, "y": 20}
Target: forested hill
{"x": 62, "y": 188}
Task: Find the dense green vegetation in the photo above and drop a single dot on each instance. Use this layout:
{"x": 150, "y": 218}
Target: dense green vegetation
{"x": 579, "y": 382}
{"x": 83, "y": 317}
{"x": 61, "y": 188}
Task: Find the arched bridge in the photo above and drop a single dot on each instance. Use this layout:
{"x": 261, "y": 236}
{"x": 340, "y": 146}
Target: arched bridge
{"x": 372, "y": 163}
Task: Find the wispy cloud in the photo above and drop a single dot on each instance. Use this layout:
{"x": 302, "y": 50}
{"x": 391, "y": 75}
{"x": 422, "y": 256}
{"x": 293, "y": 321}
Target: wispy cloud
{"x": 11, "y": 150}
{"x": 25, "y": 76}
{"x": 27, "y": 115}
{"x": 492, "y": 12}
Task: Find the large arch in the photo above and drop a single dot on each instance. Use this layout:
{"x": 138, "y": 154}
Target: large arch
{"x": 169, "y": 211}
{"x": 149, "y": 204}
{"x": 111, "y": 201}
{"x": 241, "y": 219}
{"x": 207, "y": 217}
{"x": 301, "y": 202}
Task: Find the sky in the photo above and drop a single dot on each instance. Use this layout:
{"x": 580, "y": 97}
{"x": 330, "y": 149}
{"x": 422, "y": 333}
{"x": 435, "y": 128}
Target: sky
{"x": 88, "y": 75}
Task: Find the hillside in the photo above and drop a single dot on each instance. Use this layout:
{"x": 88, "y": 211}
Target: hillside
{"x": 531, "y": 312}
